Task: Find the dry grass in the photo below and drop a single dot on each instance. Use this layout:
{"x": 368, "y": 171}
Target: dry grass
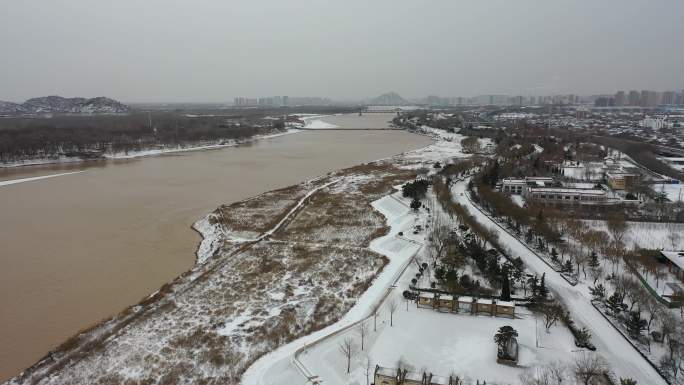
{"x": 210, "y": 324}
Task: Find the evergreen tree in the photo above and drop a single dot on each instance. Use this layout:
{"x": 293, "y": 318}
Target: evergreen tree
{"x": 554, "y": 254}
{"x": 615, "y": 303}
{"x": 635, "y": 324}
{"x": 598, "y": 292}
{"x": 534, "y": 285}
{"x": 593, "y": 260}
{"x": 627, "y": 381}
{"x": 542, "y": 291}
{"x": 568, "y": 266}
{"x": 505, "y": 285}
{"x": 529, "y": 236}
{"x": 415, "y": 204}
{"x": 583, "y": 336}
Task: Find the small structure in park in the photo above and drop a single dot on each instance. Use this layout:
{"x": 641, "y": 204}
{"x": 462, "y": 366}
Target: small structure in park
{"x": 446, "y": 303}
{"x": 505, "y": 308}
{"x": 485, "y": 306}
{"x": 391, "y": 376}
{"x": 413, "y": 378}
{"x": 426, "y": 300}
{"x": 467, "y": 304}
{"x": 386, "y": 376}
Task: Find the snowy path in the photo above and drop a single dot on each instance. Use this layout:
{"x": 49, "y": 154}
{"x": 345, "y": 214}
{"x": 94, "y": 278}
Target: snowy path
{"x": 282, "y": 365}
{"x": 211, "y": 239}
{"x": 623, "y": 358}
{"x": 22, "y": 180}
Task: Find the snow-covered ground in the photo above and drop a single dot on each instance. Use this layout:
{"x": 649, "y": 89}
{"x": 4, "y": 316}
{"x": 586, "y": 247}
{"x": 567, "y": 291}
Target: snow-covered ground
{"x": 441, "y": 343}
{"x": 315, "y": 122}
{"x": 23, "y": 180}
{"x": 674, "y": 192}
{"x": 282, "y": 366}
{"x": 624, "y": 360}
{"x": 429, "y": 339}
{"x": 648, "y": 235}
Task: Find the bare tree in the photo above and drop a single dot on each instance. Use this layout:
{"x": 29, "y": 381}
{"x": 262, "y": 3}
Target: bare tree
{"x": 438, "y": 241}
{"x": 668, "y": 324}
{"x": 632, "y": 290}
{"x": 376, "y": 313}
{"x": 617, "y": 227}
{"x": 392, "y": 308}
{"x": 588, "y": 366}
{"x": 596, "y": 273}
{"x": 368, "y": 366}
{"x": 557, "y": 371}
{"x": 552, "y": 313}
{"x": 673, "y": 235}
{"x": 535, "y": 376}
{"x": 348, "y": 349}
{"x": 655, "y": 310}
{"x": 362, "y": 329}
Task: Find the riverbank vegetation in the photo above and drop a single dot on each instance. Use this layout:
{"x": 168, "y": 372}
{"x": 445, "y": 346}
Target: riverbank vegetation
{"x": 251, "y": 296}
{"x": 91, "y": 136}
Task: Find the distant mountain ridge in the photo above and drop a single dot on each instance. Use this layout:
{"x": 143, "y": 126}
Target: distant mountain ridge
{"x": 62, "y": 105}
{"x": 389, "y": 99}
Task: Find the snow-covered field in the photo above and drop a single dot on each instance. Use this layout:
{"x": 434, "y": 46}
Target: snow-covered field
{"x": 648, "y": 235}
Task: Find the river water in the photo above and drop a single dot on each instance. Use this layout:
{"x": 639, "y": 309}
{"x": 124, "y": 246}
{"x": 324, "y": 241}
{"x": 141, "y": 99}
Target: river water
{"x": 78, "y": 248}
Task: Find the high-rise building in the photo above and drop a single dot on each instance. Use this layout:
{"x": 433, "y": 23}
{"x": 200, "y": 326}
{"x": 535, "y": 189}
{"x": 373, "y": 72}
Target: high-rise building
{"x": 649, "y": 98}
{"x": 620, "y": 99}
{"x": 633, "y": 99}
{"x": 668, "y": 98}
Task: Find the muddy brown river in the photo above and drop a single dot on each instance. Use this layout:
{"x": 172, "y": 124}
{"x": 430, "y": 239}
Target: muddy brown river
{"x": 78, "y": 248}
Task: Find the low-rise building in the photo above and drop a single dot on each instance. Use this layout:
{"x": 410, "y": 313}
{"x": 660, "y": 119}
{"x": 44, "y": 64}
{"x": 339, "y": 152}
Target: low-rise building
{"x": 618, "y": 180}
{"x": 513, "y": 185}
{"x": 519, "y": 185}
{"x": 565, "y": 195}
{"x": 675, "y": 262}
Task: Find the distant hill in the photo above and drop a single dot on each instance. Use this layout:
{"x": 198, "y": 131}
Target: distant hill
{"x": 389, "y": 99}
{"x": 9, "y": 108}
{"x": 61, "y": 105}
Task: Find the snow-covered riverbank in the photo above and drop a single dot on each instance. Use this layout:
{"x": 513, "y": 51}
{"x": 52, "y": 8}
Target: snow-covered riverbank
{"x": 23, "y": 180}
{"x": 149, "y": 152}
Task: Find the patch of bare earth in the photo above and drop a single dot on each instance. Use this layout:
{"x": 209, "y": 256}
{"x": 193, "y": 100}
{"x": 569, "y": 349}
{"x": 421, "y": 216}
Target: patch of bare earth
{"x": 211, "y": 323}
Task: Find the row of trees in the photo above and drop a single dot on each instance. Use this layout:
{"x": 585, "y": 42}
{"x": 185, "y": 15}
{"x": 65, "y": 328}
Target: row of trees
{"x": 23, "y": 138}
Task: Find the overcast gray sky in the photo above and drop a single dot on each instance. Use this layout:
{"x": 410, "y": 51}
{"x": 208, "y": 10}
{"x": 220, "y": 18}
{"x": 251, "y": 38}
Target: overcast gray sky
{"x": 213, "y": 50}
